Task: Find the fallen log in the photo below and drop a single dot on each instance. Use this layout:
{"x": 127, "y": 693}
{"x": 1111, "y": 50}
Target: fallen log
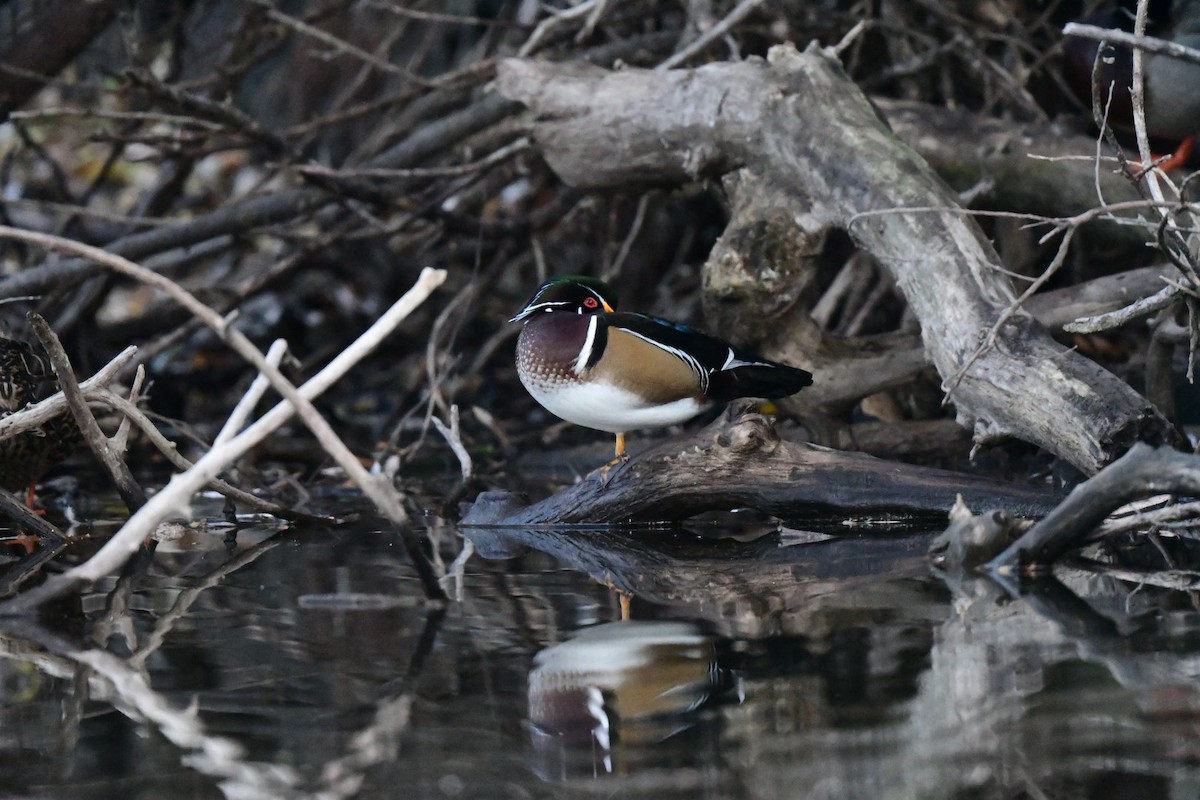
{"x": 744, "y": 464}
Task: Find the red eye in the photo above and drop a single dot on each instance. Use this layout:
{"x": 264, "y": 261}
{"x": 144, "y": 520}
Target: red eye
{"x": 590, "y": 302}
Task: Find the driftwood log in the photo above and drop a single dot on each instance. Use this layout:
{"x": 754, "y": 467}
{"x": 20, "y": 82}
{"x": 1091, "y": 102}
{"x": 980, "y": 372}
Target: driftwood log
{"x": 1142, "y": 472}
{"x": 803, "y": 152}
{"x": 744, "y": 464}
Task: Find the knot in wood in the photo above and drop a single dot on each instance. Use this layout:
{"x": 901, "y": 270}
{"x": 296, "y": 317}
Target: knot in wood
{"x": 698, "y": 160}
{"x": 749, "y": 433}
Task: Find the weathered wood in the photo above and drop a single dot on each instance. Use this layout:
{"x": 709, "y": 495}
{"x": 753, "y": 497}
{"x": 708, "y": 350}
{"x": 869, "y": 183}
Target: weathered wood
{"x": 991, "y": 158}
{"x": 744, "y": 464}
{"x": 971, "y": 541}
{"x": 803, "y": 153}
{"x": 1142, "y": 472}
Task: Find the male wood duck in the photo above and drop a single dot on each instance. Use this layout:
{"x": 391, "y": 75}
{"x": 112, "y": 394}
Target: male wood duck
{"x": 614, "y": 371}
{"x": 1172, "y": 84}
{"x": 26, "y": 377}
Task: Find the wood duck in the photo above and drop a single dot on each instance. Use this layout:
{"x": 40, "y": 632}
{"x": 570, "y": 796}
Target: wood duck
{"x": 1172, "y": 85}
{"x": 26, "y": 377}
{"x": 613, "y": 371}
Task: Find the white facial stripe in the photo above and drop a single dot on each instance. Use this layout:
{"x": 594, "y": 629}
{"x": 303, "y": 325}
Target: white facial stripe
{"x": 588, "y": 343}
{"x": 533, "y": 308}
{"x": 683, "y": 356}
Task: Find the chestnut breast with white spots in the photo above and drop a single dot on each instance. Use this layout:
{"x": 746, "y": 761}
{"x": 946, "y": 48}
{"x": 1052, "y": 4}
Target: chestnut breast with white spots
{"x": 548, "y": 355}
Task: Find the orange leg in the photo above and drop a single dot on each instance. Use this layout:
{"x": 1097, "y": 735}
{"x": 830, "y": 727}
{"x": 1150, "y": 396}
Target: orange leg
{"x": 621, "y": 458}
{"x": 1178, "y": 159}
{"x": 620, "y": 449}
{"x": 31, "y": 498}
{"x": 1181, "y": 156}
{"x": 624, "y": 597}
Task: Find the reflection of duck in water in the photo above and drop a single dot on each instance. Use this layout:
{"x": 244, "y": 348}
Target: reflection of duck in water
{"x": 27, "y": 377}
{"x": 1172, "y": 84}
{"x": 622, "y": 682}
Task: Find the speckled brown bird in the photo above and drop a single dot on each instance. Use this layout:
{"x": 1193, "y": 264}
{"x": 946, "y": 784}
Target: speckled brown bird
{"x": 27, "y": 377}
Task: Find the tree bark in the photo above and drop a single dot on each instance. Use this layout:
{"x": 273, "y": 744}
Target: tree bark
{"x": 804, "y": 152}
{"x": 40, "y": 37}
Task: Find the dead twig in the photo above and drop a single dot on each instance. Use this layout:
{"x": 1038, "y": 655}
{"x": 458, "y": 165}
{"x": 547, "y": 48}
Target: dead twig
{"x": 382, "y": 494}
{"x": 129, "y": 489}
{"x": 1142, "y": 472}
{"x": 43, "y": 411}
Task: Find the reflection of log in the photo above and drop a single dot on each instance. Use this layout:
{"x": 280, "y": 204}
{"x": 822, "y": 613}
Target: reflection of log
{"x": 803, "y": 152}
{"x": 1142, "y": 472}
{"x": 745, "y": 589}
{"x": 745, "y": 464}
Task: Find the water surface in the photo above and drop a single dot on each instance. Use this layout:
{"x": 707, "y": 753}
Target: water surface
{"x": 304, "y": 663}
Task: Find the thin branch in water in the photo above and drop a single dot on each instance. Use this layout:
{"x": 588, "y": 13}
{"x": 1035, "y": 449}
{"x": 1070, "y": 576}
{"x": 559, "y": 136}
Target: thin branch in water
{"x": 120, "y": 439}
{"x": 258, "y": 387}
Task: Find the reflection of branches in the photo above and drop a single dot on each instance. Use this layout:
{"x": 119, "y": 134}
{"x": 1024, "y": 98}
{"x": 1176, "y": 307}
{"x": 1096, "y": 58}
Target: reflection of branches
{"x": 379, "y": 741}
{"x": 130, "y": 692}
{"x": 124, "y": 684}
{"x": 183, "y": 603}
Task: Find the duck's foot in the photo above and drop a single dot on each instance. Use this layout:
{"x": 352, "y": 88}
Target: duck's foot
{"x": 605, "y": 471}
{"x": 26, "y": 541}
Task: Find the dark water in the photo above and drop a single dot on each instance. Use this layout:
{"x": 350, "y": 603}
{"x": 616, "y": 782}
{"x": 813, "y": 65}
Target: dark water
{"x": 304, "y": 664}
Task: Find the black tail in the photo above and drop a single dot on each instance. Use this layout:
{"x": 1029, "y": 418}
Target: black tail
{"x": 763, "y": 379}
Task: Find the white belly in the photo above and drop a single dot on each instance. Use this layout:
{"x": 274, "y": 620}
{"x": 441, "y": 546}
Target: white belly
{"x": 609, "y": 408}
